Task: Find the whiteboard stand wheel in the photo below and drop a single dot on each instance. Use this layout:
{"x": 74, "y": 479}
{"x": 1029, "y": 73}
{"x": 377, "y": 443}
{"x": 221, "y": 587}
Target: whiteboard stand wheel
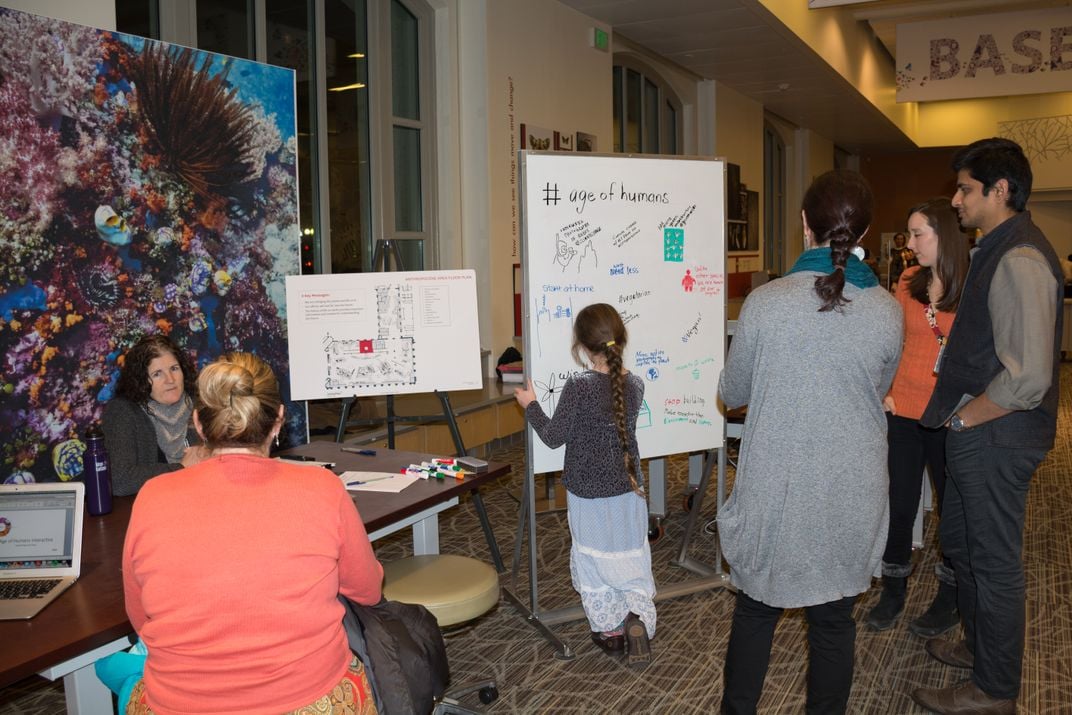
{"x": 656, "y": 531}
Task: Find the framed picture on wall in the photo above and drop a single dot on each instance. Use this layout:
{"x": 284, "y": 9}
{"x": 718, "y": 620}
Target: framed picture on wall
{"x": 563, "y": 141}
{"x": 517, "y": 299}
{"x": 536, "y": 138}
{"x": 585, "y": 142}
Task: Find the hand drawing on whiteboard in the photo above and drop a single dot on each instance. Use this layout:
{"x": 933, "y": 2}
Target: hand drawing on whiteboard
{"x": 575, "y": 249}
{"x": 545, "y": 314}
{"x": 386, "y": 359}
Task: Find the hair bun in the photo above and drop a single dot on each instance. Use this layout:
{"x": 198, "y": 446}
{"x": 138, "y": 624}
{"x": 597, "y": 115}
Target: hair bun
{"x": 239, "y": 400}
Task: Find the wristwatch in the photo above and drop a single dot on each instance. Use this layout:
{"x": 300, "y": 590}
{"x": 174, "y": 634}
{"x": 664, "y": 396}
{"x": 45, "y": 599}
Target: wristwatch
{"x": 956, "y": 424}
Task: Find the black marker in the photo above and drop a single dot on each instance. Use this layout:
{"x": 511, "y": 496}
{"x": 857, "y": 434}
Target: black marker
{"x": 297, "y": 457}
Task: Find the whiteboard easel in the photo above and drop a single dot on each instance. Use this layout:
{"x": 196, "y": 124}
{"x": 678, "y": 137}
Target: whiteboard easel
{"x": 646, "y": 234}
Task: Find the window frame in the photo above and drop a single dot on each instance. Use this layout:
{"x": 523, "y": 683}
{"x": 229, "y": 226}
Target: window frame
{"x": 670, "y": 130}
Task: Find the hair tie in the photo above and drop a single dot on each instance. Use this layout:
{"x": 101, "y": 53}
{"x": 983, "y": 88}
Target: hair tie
{"x": 608, "y": 343}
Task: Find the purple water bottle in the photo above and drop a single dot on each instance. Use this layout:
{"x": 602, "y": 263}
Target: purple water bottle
{"x": 97, "y": 473}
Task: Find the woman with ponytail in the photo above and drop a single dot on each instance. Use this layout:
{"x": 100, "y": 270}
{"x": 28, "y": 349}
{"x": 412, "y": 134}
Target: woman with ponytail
{"x": 232, "y": 568}
{"x": 813, "y": 356}
{"x": 596, "y": 416}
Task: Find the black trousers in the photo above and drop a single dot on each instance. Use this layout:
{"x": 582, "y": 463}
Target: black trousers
{"x": 983, "y": 534}
{"x": 911, "y": 448}
{"x": 831, "y": 652}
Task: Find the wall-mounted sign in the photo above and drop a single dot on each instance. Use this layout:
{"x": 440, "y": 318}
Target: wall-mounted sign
{"x": 985, "y": 55}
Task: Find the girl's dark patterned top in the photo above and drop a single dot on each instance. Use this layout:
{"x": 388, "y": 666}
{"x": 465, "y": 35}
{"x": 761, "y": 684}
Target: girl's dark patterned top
{"x": 594, "y": 466}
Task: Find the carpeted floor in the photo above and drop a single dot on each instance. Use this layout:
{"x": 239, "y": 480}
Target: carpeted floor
{"x": 685, "y": 674}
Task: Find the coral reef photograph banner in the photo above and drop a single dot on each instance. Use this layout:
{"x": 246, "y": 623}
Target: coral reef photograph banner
{"x": 144, "y": 188}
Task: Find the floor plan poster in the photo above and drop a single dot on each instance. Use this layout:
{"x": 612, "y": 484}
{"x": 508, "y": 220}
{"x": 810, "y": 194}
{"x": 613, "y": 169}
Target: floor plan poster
{"x": 382, "y": 333}
{"x": 646, "y": 235}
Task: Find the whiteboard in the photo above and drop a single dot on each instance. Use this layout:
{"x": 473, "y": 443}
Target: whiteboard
{"x": 382, "y": 333}
{"x": 646, "y": 235}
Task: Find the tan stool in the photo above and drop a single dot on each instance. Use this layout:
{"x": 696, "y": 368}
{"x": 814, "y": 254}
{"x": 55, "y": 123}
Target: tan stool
{"x": 456, "y": 589}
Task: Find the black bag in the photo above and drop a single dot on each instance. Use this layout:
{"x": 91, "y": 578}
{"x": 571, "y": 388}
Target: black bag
{"x": 509, "y": 355}
{"x": 403, "y": 652}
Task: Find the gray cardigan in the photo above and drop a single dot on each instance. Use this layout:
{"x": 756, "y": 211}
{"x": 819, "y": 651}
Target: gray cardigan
{"x": 133, "y": 453}
{"x": 806, "y": 521}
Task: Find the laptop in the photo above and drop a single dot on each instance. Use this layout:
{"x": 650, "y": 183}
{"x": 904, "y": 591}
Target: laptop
{"x": 40, "y": 545}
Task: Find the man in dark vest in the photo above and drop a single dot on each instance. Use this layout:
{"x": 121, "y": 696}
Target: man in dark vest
{"x": 997, "y": 393}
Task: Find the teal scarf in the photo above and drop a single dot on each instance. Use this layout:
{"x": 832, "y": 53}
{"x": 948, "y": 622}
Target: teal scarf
{"x": 818, "y": 260}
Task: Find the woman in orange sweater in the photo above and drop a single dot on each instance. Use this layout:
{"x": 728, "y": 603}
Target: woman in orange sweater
{"x": 231, "y": 568}
{"x": 929, "y": 294}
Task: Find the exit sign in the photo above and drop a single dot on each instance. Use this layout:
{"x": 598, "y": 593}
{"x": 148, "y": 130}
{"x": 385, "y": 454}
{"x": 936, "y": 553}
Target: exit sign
{"x": 600, "y": 39}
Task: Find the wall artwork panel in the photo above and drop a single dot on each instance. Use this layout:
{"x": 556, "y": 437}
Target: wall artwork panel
{"x": 144, "y": 188}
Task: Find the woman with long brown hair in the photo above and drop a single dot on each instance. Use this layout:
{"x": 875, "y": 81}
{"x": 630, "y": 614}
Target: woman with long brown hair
{"x": 929, "y": 294}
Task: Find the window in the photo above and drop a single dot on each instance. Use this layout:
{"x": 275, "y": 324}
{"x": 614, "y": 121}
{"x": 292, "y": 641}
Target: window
{"x": 774, "y": 180}
{"x": 363, "y": 73}
{"x": 646, "y": 111}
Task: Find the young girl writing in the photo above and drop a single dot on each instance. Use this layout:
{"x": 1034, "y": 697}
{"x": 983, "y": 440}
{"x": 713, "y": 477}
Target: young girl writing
{"x": 610, "y": 560}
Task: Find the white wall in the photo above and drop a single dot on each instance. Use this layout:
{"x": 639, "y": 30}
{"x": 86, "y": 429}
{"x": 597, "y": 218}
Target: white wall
{"x": 739, "y": 139}
{"x": 95, "y": 13}
{"x": 540, "y": 71}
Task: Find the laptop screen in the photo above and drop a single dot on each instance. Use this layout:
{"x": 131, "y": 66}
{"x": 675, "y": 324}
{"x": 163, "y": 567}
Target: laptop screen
{"x": 37, "y": 529}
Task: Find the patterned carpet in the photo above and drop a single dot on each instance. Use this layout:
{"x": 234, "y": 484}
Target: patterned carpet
{"x": 685, "y": 674}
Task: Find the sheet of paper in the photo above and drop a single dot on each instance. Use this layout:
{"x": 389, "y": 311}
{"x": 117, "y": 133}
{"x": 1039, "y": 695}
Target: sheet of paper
{"x": 376, "y": 481}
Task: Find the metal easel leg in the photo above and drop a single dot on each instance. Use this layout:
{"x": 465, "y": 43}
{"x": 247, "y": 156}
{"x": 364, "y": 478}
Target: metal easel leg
{"x": 344, "y": 417}
{"x": 531, "y": 613}
{"x": 478, "y": 502}
{"x": 683, "y": 559}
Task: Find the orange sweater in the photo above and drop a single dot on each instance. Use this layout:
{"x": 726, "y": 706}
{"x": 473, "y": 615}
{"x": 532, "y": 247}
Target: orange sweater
{"x": 231, "y": 570}
{"x": 915, "y": 378}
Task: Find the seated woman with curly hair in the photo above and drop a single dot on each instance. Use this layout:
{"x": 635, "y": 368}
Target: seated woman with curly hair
{"x": 147, "y": 427}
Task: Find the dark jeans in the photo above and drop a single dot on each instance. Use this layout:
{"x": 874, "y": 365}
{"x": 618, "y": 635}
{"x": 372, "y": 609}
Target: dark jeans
{"x": 982, "y": 532}
{"x": 831, "y": 650}
{"x": 911, "y": 448}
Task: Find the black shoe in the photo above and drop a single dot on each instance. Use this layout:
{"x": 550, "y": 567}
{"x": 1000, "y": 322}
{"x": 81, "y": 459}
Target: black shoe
{"x": 637, "y": 645}
{"x": 940, "y": 616}
{"x": 611, "y": 645}
{"x": 890, "y": 604}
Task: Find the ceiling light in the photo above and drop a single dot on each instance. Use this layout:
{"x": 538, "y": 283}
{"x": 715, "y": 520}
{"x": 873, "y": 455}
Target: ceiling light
{"x": 357, "y": 56}
{"x": 356, "y": 85}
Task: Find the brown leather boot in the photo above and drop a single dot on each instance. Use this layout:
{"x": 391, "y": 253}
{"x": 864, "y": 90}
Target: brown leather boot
{"x": 963, "y": 699}
{"x": 954, "y": 653}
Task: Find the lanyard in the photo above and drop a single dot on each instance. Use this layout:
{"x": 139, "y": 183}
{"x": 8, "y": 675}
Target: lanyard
{"x": 932, "y": 320}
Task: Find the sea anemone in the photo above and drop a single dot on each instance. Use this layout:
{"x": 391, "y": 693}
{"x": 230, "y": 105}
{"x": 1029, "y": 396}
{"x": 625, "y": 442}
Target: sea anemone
{"x": 202, "y": 132}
